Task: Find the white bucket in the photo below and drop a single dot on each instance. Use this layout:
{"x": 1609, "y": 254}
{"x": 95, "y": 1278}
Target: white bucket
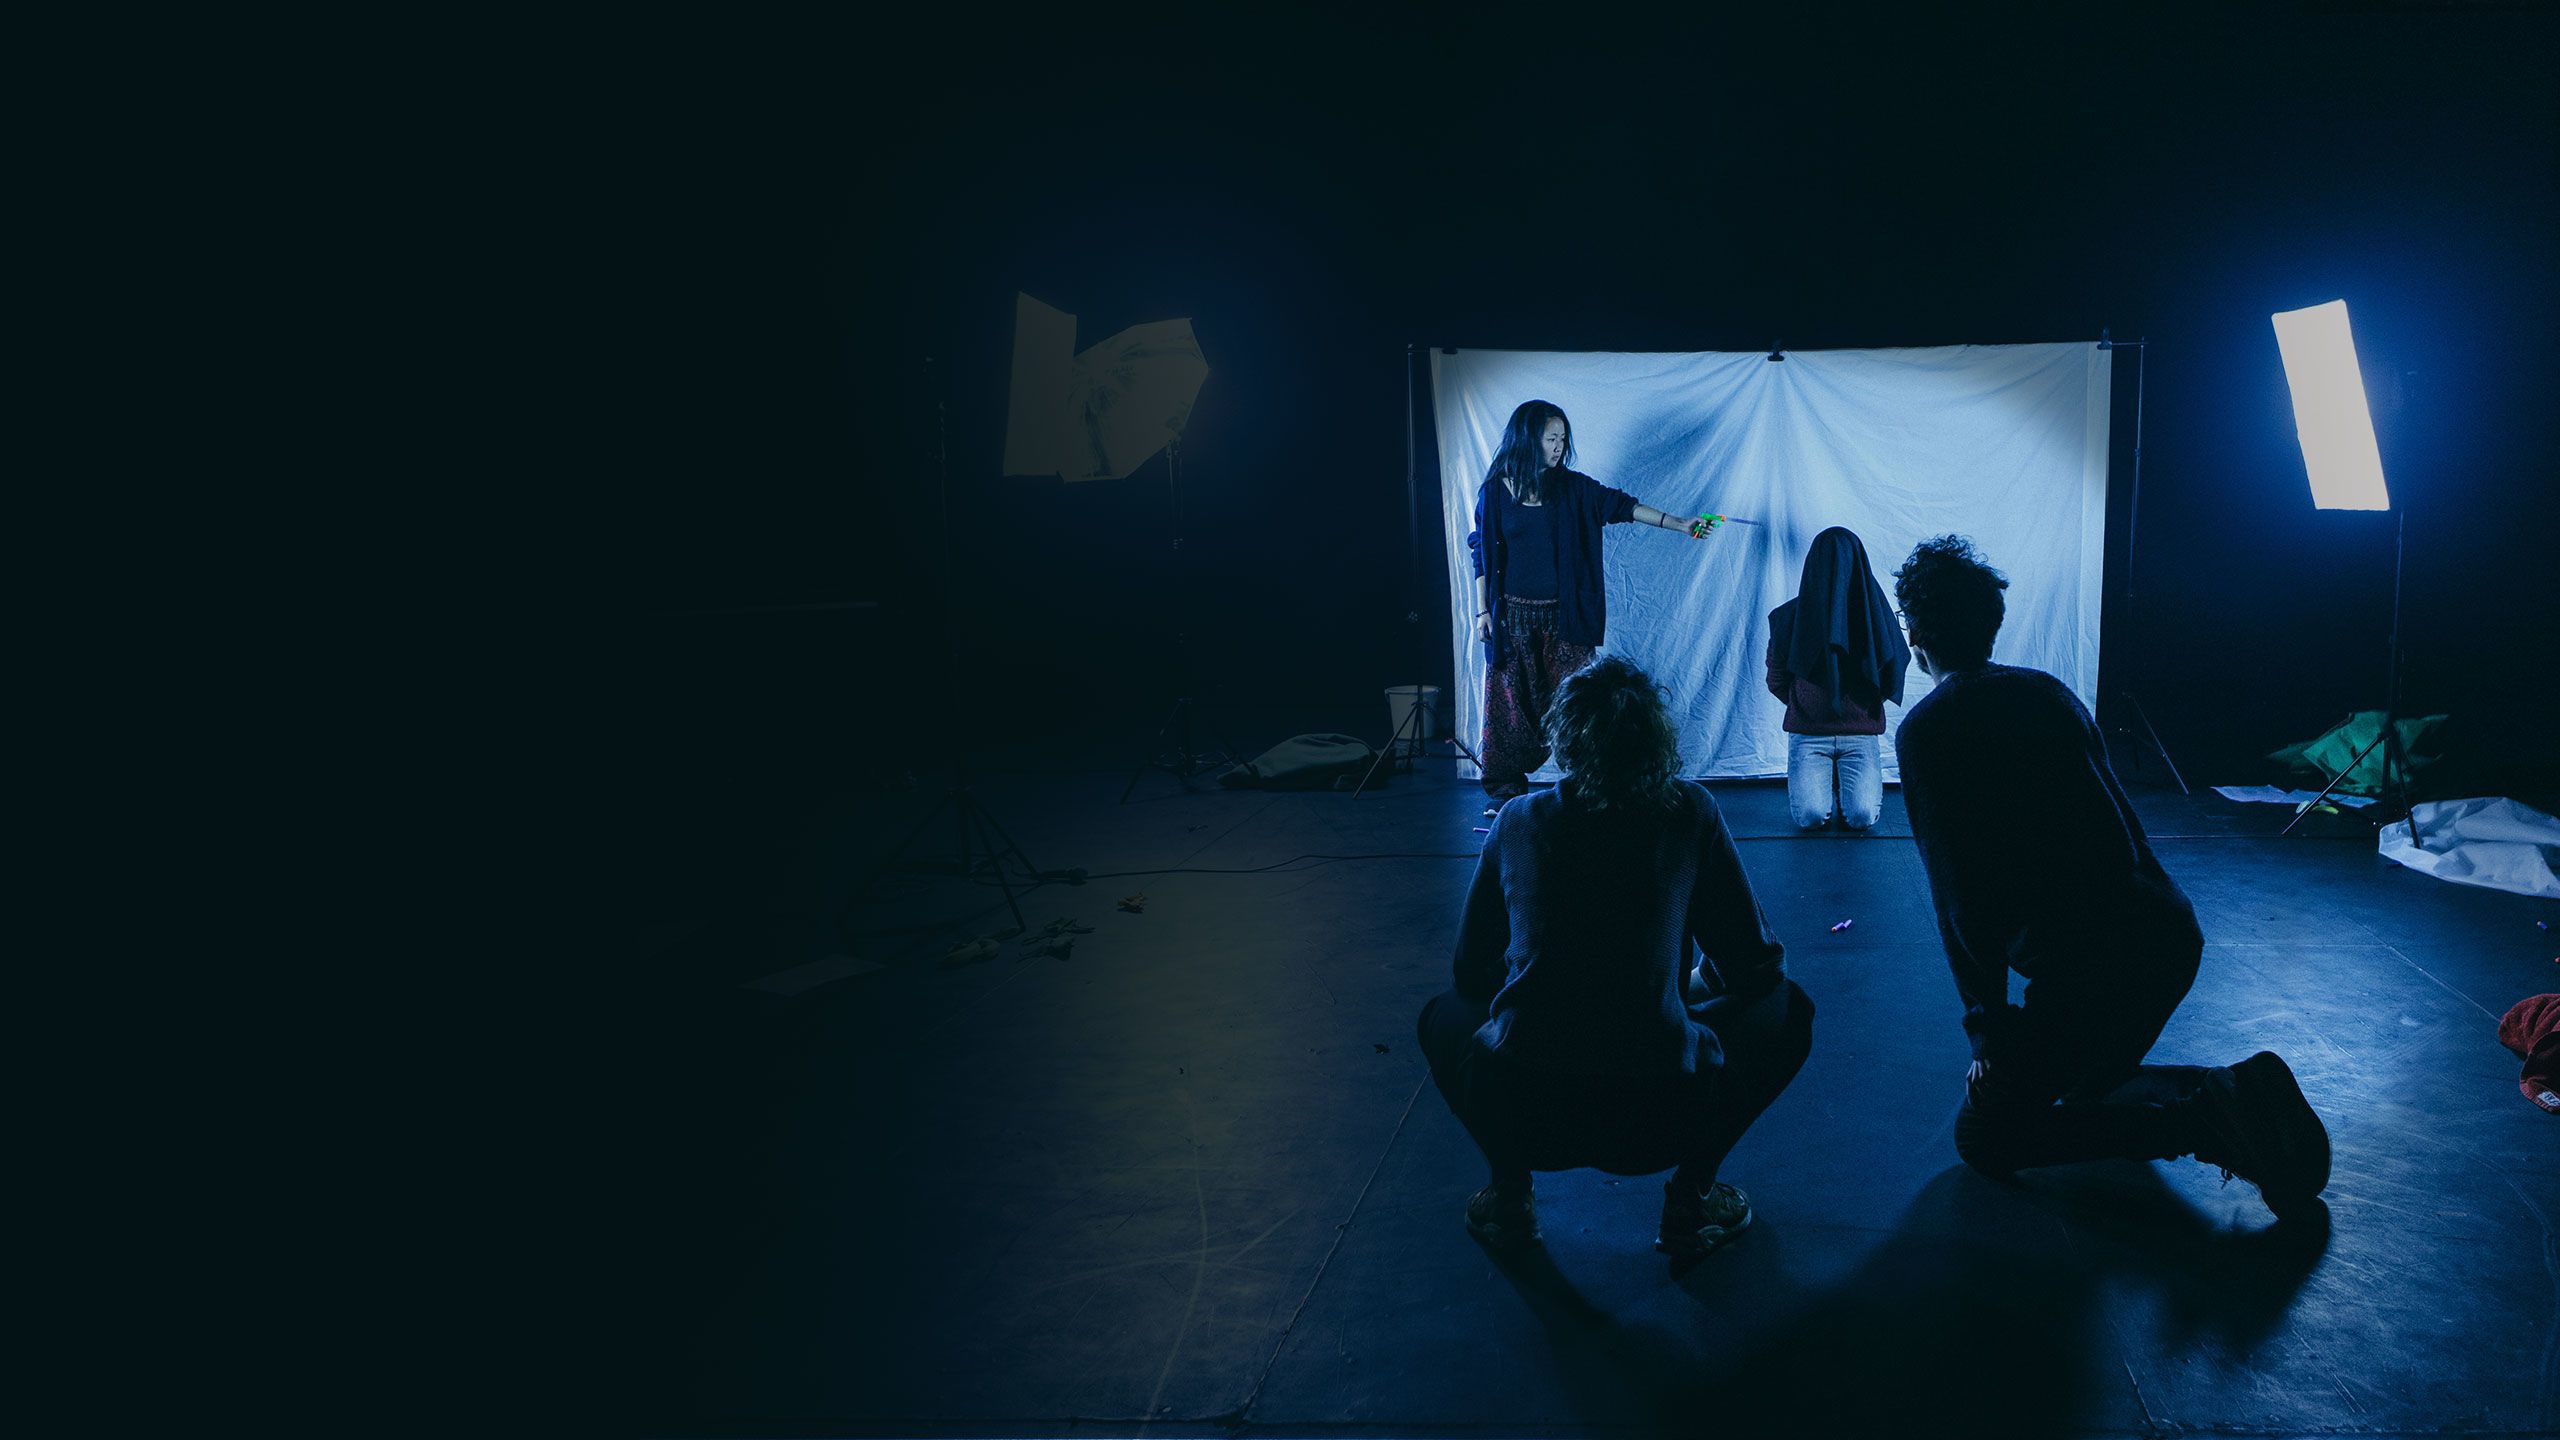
{"x": 1402, "y": 700}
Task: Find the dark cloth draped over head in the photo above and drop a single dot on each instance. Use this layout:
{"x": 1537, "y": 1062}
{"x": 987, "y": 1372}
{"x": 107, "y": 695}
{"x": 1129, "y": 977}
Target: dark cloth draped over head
{"x": 1839, "y": 630}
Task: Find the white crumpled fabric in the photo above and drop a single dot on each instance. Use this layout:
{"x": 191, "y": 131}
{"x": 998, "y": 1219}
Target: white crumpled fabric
{"x": 2491, "y": 841}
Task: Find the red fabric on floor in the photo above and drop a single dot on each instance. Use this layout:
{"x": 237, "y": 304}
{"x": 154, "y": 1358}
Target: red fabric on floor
{"x": 2532, "y": 1030}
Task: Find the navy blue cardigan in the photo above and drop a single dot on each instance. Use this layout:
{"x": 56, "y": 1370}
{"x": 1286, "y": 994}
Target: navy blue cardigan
{"x": 1579, "y": 505}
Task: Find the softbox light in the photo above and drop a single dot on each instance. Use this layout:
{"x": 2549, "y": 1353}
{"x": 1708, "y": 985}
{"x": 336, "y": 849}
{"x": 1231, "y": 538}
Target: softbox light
{"x": 1105, "y": 412}
{"x": 2329, "y": 412}
{"x": 2345, "y": 465}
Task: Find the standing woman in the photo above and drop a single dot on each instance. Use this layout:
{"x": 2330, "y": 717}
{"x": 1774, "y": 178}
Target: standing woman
{"x": 1540, "y": 610}
{"x": 1836, "y": 656}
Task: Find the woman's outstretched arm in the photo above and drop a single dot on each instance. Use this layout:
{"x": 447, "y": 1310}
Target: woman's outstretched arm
{"x": 1664, "y": 519}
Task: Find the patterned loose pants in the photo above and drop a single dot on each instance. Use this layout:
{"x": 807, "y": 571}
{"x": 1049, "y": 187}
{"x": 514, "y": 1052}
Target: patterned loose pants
{"x": 1517, "y": 692}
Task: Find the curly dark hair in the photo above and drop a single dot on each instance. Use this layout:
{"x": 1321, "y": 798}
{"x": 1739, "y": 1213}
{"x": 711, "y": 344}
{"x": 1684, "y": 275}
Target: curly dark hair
{"x": 1613, "y": 735}
{"x": 1951, "y": 599}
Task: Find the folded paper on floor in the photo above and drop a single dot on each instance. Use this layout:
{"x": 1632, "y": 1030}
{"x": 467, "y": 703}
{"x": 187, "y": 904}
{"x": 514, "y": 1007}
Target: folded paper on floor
{"x": 2270, "y": 795}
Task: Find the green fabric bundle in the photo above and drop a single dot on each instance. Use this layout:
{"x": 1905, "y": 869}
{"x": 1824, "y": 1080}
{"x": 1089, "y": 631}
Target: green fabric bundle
{"x": 2331, "y": 753}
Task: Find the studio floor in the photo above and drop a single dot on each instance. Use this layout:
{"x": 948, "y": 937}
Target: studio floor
{"x": 1192, "y": 1178}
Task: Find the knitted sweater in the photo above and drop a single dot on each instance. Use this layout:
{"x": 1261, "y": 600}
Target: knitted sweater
{"x": 1578, "y": 931}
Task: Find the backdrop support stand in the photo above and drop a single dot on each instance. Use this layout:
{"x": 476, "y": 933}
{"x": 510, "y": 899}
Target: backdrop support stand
{"x": 1416, "y": 718}
{"x": 2132, "y": 518}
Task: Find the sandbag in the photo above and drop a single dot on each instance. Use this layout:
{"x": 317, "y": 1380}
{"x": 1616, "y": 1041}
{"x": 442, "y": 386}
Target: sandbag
{"x": 1307, "y": 762}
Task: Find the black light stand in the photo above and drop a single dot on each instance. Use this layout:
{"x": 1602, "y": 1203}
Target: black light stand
{"x": 1416, "y": 718}
{"x": 981, "y": 843}
{"x": 2395, "y": 755}
{"x": 1181, "y": 761}
{"x": 2132, "y": 517}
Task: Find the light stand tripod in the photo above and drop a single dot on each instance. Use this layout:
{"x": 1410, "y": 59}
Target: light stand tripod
{"x": 1401, "y": 746}
{"x": 982, "y": 844}
{"x": 2395, "y": 755}
{"x": 2132, "y": 516}
{"x": 1182, "y": 761}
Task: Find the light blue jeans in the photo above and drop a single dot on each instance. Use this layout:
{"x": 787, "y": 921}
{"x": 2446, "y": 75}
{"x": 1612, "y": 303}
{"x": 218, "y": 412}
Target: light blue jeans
{"x": 1810, "y": 761}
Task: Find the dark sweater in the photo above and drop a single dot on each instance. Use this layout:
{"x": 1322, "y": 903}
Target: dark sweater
{"x": 2036, "y": 860}
{"x": 1577, "y": 506}
{"x": 1529, "y": 552}
{"x": 1578, "y": 929}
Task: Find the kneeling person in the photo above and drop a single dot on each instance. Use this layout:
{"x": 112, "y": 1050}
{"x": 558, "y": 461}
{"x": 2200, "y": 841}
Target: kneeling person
{"x": 2038, "y": 864}
{"x": 1576, "y": 1034}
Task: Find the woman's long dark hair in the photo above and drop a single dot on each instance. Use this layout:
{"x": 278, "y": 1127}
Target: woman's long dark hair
{"x": 1613, "y": 735}
{"x": 1522, "y": 460}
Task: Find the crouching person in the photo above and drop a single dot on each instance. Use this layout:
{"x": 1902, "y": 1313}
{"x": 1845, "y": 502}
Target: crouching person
{"x": 1576, "y": 1033}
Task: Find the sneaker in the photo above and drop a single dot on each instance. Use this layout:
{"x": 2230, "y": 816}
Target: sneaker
{"x": 2258, "y": 1127}
{"x": 1502, "y": 1222}
{"x": 1694, "y": 1224}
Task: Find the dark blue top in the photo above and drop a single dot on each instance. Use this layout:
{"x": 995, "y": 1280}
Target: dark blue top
{"x": 1577, "y": 506}
{"x": 1578, "y": 929}
{"x": 1530, "y": 542}
{"x": 2036, "y": 860}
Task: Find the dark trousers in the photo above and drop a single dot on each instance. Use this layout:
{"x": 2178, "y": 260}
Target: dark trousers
{"x": 1524, "y": 1119}
{"x": 2067, "y": 1082}
{"x": 1535, "y": 661}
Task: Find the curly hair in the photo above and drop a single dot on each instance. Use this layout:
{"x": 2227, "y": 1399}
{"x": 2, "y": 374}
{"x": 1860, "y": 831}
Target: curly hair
{"x": 1612, "y": 733}
{"x": 1951, "y": 598}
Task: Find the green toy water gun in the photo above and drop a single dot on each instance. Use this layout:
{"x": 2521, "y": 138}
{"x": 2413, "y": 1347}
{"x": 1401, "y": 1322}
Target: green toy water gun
{"x": 1700, "y": 527}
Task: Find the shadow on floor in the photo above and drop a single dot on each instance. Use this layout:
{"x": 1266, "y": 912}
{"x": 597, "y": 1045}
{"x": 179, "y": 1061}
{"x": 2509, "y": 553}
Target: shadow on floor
{"x": 1977, "y": 1316}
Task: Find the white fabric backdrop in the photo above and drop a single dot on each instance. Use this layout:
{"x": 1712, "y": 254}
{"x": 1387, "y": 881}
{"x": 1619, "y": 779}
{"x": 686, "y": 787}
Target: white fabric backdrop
{"x": 2004, "y": 443}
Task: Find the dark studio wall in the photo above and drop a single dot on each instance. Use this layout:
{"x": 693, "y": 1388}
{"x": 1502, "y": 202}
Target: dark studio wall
{"x": 827, "y": 214}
